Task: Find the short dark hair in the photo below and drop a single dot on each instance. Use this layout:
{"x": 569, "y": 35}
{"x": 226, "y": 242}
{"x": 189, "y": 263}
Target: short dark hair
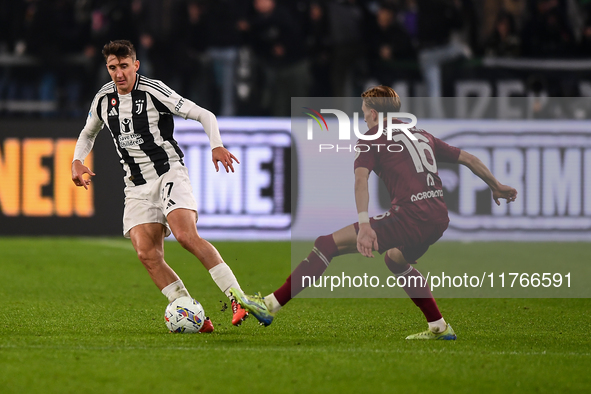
{"x": 382, "y": 99}
{"x": 119, "y": 48}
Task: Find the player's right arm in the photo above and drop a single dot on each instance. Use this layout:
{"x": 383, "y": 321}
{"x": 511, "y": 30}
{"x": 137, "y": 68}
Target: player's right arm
{"x": 477, "y": 167}
{"x": 78, "y": 171}
{"x": 84, "y": 145}
{"x": 367, "y": 239}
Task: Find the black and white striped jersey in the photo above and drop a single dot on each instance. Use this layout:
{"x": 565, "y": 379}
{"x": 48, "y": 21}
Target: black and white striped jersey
{"x": 141, "y": 123}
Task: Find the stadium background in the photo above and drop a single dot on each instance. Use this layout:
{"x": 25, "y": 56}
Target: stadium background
{"x": 245, "y": 60}
{"x": 77, "y": 310}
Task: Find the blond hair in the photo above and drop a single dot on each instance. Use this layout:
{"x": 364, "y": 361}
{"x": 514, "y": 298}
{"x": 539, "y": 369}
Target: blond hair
{"x": 382, "y": 99}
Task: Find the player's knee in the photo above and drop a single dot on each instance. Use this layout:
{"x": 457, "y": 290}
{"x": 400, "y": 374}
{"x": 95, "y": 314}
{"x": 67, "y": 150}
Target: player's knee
{"x": 322, "y": 240}
{"x": 326, "y": 245}
{"x": 395, "y": 267}
{"x": 150, "y": 258}
{"x": 186, "y": 239}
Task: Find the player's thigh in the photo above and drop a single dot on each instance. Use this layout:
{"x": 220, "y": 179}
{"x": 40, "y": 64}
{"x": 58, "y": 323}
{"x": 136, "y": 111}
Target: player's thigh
{"x": 410, "y": 253}
{"x": 148, "y": 241}
{"x": 346, "y": 239}
{"x": 182, "y": 222}
{"x": 396, "y": 256}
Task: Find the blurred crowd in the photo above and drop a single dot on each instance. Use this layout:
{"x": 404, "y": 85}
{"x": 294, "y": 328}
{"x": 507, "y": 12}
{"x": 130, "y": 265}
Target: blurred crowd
{"x": 248, "y": 57}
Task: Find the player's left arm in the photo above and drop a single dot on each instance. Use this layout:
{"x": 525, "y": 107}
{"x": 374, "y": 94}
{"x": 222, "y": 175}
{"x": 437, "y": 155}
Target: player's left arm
{"x": 451, "y": 154}
{"x": 210, "y": 125}
{"x": 367, "y": 239}
{"x": 181, "y": 106}
{"x": 477, "y": 167}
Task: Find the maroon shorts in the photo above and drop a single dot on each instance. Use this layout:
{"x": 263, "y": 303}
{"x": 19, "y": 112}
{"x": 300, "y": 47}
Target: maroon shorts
{"x": 396, "y": 229}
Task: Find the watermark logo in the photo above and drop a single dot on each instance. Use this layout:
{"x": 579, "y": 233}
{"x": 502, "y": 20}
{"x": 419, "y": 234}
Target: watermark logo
{"x": 316, "y": 119}
{"x": 344, "y": 132}
{"x": 345, "y": 124}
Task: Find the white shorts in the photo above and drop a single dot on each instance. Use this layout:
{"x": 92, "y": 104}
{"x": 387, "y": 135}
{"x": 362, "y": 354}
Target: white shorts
{"x": 153, "y": 201}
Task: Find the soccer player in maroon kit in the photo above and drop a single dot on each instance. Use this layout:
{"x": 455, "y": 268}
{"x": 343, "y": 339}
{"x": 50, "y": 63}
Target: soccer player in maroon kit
{"x": 417, "y": 217}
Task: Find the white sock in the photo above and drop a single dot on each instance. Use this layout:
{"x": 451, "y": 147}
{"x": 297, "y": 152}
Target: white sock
{"x": 437, "y": 326}
{"x": 223, "y": 276}
{"x": 272, "y": 303}
{"x": 175, "y": 290}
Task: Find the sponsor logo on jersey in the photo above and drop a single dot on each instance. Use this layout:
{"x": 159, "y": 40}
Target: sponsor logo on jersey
{"x": 113, "y": 112}
{"x": 125, "y": 141}
{"x": 424, "y": 195}
{"x": 128, "y": 137}
{"x": 126, "y": 125}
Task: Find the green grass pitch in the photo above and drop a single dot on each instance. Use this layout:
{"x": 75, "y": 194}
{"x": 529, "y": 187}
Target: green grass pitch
{"x": 81, "y": 315}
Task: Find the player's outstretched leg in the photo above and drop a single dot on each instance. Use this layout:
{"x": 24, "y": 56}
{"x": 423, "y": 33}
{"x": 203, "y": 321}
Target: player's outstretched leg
{"x": 418, "y": 291}
{"x": 325, "y": 248}
{"x": 254, "y": 304}
{"x": 448, "y": 334}
{"x": 313, "y": 266}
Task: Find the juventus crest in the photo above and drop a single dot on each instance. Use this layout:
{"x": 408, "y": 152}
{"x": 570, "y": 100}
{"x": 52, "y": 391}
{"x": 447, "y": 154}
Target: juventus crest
{"x": 139, "y": 106}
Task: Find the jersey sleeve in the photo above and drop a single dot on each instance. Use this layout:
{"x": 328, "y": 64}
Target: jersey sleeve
{"x": 209, "y": 122}
{"x": 174, "y": 102}
{"x": 444, "y": 152}
{"x": 93, "y": 125}
{"x": 365, "y": 159}
{"x": 180, "y": 106}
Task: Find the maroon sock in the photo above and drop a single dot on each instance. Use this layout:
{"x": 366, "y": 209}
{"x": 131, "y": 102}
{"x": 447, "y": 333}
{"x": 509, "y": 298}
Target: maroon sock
{"x": 416, "y": 288}
{"x": 313, "y": 266}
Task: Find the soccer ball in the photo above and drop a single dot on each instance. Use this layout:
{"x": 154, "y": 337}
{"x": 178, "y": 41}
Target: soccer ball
{"x": 184, "y": 315}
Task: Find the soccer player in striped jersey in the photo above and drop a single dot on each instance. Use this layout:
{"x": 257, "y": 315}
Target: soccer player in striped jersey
{"x": 417, "y": 217}
{"x": 138, "y": 112}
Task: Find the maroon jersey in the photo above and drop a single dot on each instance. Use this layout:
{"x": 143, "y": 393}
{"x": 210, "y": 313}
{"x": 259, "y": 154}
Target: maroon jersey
{"x": 409, "y": 170}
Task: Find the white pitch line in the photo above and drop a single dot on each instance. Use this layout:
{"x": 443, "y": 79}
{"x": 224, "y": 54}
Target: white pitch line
{"x": 111, "y": 243}
{"x": 302, "y": 350}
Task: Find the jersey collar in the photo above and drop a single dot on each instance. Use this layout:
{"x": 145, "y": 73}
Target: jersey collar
{"x": 137, "y": 81}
